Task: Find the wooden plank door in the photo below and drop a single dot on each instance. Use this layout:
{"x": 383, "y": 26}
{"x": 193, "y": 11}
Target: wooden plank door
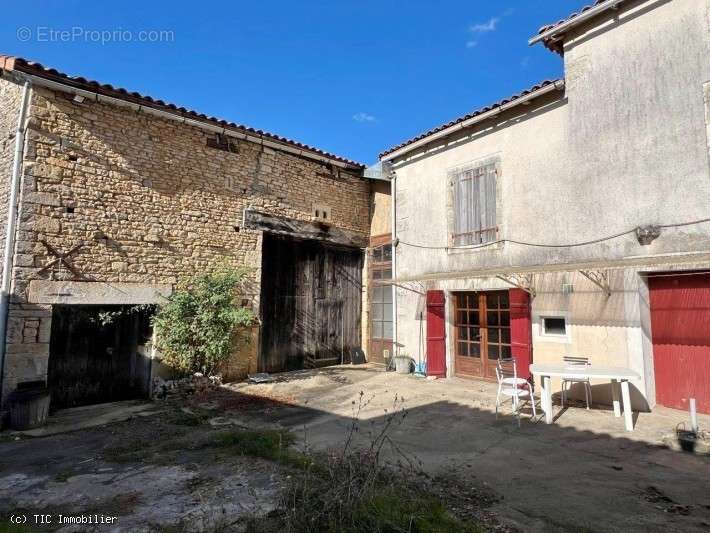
{"x": 435, "y": 334}
{"x": 680, "y": 331}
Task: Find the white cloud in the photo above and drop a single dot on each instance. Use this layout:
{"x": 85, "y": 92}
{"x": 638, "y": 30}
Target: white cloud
{"x": 484, "y": 27}
{"x": 488, "y": 26}
{"x": 363, "y": 117}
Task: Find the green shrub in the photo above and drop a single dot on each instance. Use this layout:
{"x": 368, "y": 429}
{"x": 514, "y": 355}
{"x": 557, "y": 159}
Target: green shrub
{"x": 197, "y": 323}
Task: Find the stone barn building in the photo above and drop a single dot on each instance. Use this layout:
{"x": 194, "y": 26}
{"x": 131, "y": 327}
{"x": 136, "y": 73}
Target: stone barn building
{"x": 121, "y": 196}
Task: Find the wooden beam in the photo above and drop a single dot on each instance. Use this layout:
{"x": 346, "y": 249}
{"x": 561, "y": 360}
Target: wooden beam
{"x": 303, "y": 229}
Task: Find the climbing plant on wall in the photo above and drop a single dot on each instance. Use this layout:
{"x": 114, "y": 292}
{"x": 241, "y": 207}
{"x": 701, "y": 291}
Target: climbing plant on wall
{"x": 196, "y": 325}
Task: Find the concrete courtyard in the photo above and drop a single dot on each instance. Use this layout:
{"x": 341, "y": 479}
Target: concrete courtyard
{"x": 584, "y": 473}
{"x": 151, "y": 464}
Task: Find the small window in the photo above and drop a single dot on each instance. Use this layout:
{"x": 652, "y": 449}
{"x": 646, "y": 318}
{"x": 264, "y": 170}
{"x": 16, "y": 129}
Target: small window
{"x": 321, "y": 212}
{"x": 554, "y": 326}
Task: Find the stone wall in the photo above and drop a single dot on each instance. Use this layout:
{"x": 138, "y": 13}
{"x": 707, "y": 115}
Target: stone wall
{"x": 10, "y": 96}
{"x": 147, "y": 201}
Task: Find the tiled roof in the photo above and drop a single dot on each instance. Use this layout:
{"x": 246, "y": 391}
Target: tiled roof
{"x": 569, "y": 18}
{"x": 471, "y": 115}
{"x": 37, "y": 69}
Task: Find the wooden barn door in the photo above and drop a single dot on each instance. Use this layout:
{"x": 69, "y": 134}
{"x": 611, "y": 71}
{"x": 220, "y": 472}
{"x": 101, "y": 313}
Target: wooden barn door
{"x": 435, "y": 334}
{"x": 311, "y": 297}
{"x": 680, "y": 330}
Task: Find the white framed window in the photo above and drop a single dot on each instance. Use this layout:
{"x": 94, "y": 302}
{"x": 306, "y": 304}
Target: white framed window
{"x": 474, "y": 190}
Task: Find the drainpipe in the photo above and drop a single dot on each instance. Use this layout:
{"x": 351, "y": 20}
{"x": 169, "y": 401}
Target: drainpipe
{"x": 10, "y": 225}
{"x": 393, "y": 211}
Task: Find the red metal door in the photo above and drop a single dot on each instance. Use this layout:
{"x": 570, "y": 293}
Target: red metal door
{"x": 521, "y": 346}
{"x": 435, "y": 334}
{"x": 680, "y": 329}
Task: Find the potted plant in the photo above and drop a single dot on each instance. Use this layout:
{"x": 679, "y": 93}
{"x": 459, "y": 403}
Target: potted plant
{"x": 403, "y": 363}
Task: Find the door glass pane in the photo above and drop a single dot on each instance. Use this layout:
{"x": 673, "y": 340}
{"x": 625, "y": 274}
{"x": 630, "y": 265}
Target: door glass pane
{"x": 387, "y": 330}
{"x": 504, "y": 318}
{"x": 462, "y": 349}
{"x": 492, "y": 318}
{"x": 505, "y": 352}
{"x": 504, "y": 301}
{"x": 461, "y": 317}
{"x": 377, "y": 329}
{"x": 386, "y": 273}
{"x": 387, "y": 312}
{"x": 475, "y": 349}
{"x": 494, "y": 335}
{"x": 505, "y": 336}
{"x": 492, "y": 300}
{"x": 462, "y": 333}
{"x": 387, "y": 294}
{"x": 493, "y": 351}
{"x": 473, "y": 301}
{"x": 473, "y": 318}
{"x": 474, "y": 334}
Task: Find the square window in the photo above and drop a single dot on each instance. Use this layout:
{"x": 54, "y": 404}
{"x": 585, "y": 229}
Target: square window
{"x": 554, "y": 326}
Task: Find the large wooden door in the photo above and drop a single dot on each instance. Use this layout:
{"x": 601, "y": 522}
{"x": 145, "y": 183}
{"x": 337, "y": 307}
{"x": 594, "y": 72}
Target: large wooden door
{"x": 311, "y": 297}
{"x": 435, "y": 334}
{"x": 680, "y": 330}
{"x": 481, "y": 332}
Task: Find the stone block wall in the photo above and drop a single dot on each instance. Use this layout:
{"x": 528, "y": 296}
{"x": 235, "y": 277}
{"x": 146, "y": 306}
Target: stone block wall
{"x": 146, "y": 200}
{"x": 10, "y": 97}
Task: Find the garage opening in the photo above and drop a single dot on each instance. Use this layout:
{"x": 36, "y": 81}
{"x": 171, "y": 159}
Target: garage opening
{"x": 680, "y": 319}
{"x": 99, "y": 353}
{"x": 311, "y": 297}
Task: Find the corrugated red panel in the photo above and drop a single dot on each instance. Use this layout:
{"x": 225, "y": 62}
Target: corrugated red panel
{"x": 680, "y": 328}
{"x": 435, "y": 334}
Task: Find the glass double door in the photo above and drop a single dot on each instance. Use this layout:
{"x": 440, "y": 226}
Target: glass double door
{"x": 482, "y": 332}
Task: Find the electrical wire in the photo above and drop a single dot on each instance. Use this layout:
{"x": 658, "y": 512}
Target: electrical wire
{"x": 540, "y": 245}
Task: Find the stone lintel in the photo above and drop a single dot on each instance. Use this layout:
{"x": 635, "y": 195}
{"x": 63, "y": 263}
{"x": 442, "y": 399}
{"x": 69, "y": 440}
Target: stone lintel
{"x": 96, "y": 292}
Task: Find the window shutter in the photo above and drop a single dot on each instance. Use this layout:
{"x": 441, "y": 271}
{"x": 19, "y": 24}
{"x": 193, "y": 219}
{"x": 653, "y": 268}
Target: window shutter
{"x": 474, "y": 205}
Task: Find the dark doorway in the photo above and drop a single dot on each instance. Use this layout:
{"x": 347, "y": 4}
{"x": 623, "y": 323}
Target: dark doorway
{"x": 311, "y": 297}
{"x": 98, "y": 354}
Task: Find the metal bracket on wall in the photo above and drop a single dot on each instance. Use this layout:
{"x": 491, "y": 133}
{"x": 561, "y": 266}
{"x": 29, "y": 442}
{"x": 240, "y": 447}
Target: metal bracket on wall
{"x": 521, "y": 281}
{"x": 600, "y": 278}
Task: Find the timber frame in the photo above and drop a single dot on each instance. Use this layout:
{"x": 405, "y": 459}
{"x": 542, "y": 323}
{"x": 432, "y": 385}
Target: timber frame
{"x": 303, "y": 229}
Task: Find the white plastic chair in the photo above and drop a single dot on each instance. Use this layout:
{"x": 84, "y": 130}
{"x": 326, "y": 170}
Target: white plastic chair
{"x": 574, "y": 361}
{"x": 513, "y": 387}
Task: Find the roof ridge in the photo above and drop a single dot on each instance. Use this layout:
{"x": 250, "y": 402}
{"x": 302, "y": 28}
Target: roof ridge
{"x": 21, "y": 64}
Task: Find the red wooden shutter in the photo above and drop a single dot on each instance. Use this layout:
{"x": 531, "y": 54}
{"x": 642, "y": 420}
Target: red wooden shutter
{"x": 521, "y": 343}
{"x": 435, "y": 334}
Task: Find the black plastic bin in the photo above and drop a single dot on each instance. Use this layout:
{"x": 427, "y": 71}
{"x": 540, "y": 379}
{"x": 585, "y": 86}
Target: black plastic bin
{"x": 29, "y": 407}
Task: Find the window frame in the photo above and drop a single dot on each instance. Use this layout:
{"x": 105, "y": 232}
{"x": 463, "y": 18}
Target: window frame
{"x": 454, "y": 176}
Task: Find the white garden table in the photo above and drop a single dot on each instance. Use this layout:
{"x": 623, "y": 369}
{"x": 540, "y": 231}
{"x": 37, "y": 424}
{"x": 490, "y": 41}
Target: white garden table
{"x": 615, "y": 374}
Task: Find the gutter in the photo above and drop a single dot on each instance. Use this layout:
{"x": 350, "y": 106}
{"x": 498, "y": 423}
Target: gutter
{"x": 556, "y": 31}
{"x": 258, "y": 139}
{"x": 10, "y": 225}
{"x": 556, "y": 86}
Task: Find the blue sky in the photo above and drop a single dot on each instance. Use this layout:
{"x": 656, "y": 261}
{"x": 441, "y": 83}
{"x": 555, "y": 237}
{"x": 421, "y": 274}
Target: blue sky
{"x": 351, "y": 77}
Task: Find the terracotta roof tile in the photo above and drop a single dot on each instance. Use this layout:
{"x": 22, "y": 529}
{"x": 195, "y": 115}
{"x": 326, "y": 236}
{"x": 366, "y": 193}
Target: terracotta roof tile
{"x": 470, "y": 115}
{"x": 37, "y": 69}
